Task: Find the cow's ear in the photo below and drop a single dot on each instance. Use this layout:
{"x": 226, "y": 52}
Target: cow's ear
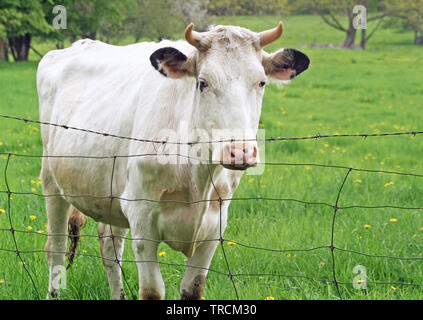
{"x": 285, "y": 64}
{"x": 171, "y": 62}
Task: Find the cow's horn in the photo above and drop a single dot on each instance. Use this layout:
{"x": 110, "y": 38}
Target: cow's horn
{"x": 269, "y": 36}
{"x": 192, "y": 37}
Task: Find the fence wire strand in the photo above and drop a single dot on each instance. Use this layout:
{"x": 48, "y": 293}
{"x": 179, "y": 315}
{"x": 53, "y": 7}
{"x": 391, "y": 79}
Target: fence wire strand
{"x": 221, "y": 241}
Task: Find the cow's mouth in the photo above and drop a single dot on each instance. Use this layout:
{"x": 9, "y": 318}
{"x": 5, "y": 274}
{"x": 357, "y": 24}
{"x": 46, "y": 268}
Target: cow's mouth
{"x": 239, "y": 167}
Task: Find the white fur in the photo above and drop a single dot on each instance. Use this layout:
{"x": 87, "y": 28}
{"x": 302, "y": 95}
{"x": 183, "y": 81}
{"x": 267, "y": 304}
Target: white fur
{"x": 114, "y": 89}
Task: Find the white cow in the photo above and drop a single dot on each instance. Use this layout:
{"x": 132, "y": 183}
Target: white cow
{"x": 214, "y": 80}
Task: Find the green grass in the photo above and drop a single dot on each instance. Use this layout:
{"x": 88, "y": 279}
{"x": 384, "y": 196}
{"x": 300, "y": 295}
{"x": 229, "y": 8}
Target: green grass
{"x": 372, "y": 91}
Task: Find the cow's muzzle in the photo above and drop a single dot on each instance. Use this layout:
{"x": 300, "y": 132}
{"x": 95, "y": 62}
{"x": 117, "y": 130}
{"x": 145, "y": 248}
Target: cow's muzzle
{"x": 239, "y": 155}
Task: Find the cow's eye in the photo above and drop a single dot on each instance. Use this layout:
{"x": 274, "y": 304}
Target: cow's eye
{"x": 202, "y": 84}
{"x": 262, "y": 84}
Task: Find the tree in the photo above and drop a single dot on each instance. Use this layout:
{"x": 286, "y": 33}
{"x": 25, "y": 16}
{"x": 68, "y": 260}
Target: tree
{"x": 410, "y": 14}
{"x": 4, "y": 52}
{"x": 248, "y": 7}
{"x": 22, "y": 20}
{"x": 331, "y": 12}
{"x": 195, "y": 11}
{"x": 154, "y": 20}
{"x": 89, "y": 18}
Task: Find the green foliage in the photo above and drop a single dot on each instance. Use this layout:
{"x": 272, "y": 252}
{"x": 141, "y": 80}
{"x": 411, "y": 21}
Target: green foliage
{"x": 195, "y": 11}
{"x": 409, "y": 14}
{"x": 20, "y": 17}
{"x": 248, "y": 7}
{"x": 87, "y": 18}
{"x": 153, "y": 19}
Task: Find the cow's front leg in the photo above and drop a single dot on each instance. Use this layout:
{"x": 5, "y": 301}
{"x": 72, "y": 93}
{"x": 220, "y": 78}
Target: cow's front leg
{"x": 194, "y": 280}
{"x": 151, "y": 285}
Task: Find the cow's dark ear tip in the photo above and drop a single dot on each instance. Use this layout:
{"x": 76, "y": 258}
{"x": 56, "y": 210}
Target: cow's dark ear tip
{"x": 302, "y": 61}
{"x": 159, "y": 58}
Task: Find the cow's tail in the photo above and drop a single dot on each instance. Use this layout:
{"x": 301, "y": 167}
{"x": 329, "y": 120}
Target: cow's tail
{"x": 76, "y": 222}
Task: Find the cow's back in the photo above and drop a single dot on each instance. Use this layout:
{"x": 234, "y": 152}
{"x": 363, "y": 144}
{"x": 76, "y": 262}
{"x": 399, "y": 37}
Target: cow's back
{"x": 85, "y": 71}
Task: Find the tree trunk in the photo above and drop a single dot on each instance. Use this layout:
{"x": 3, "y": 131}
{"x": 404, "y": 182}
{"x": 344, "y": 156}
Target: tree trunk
{"x": 349, "y": 40}
{"x": 418, "y": 39}
{"x": 4, "y": 52}
{"x": 19, "y": 46}
{"x": 363, "y": 41}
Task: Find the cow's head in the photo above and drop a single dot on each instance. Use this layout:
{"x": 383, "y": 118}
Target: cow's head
{"x": 231, "y": 70}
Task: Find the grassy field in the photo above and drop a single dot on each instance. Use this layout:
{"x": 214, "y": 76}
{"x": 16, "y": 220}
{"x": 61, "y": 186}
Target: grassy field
{"x": 372, "y": 91}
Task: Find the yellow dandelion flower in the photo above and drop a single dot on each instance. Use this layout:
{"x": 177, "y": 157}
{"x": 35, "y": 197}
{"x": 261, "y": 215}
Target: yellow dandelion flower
{"x": 162, "y": 254}
{"x": 38, "y": 183}
{"x": 358, "y": 181}
{"x": 261, "y": 278}
{"x": 393, "y": 288}
{"x": 308, "y": 168}
{"x": 40, "y": 231}
{"x": 2, "y": 211}
{"x": 251, "y": 180}
{"x": 84, "y": 251}
{"x": 33, "y": 190}
{"x": 231, "y": 243}
{"x": 32, "y": 181}
{"x": 202, "y": 298}
{"x": 32, "y": 217}
{"x": 388, "y": 184}
{"x": 288, "y": 255}
{"x": 29, "y": 228}
{"x": 269, "y": 298}
{"x": 421, "y": 229}
{"x": 1, "y": 281}
{"x": 367, "y": 226}
{"x": 360, "y": 281}
{"x": 321, "y": 264}
{"x": 393, "y": 220}
{"x": 22, "y": 262}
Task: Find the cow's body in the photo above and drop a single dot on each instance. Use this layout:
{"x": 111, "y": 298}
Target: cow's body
{"x": 112, "y": 89}
{"x": 116, "y": 90}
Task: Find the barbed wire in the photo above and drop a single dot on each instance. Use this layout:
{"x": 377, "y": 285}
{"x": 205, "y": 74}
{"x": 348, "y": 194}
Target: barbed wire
{"x": 220, "y": 200}
{"x": 313, "y": 137}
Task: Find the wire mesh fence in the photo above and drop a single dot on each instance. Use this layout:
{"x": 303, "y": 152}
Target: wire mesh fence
{"x": 228, "y": 272}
